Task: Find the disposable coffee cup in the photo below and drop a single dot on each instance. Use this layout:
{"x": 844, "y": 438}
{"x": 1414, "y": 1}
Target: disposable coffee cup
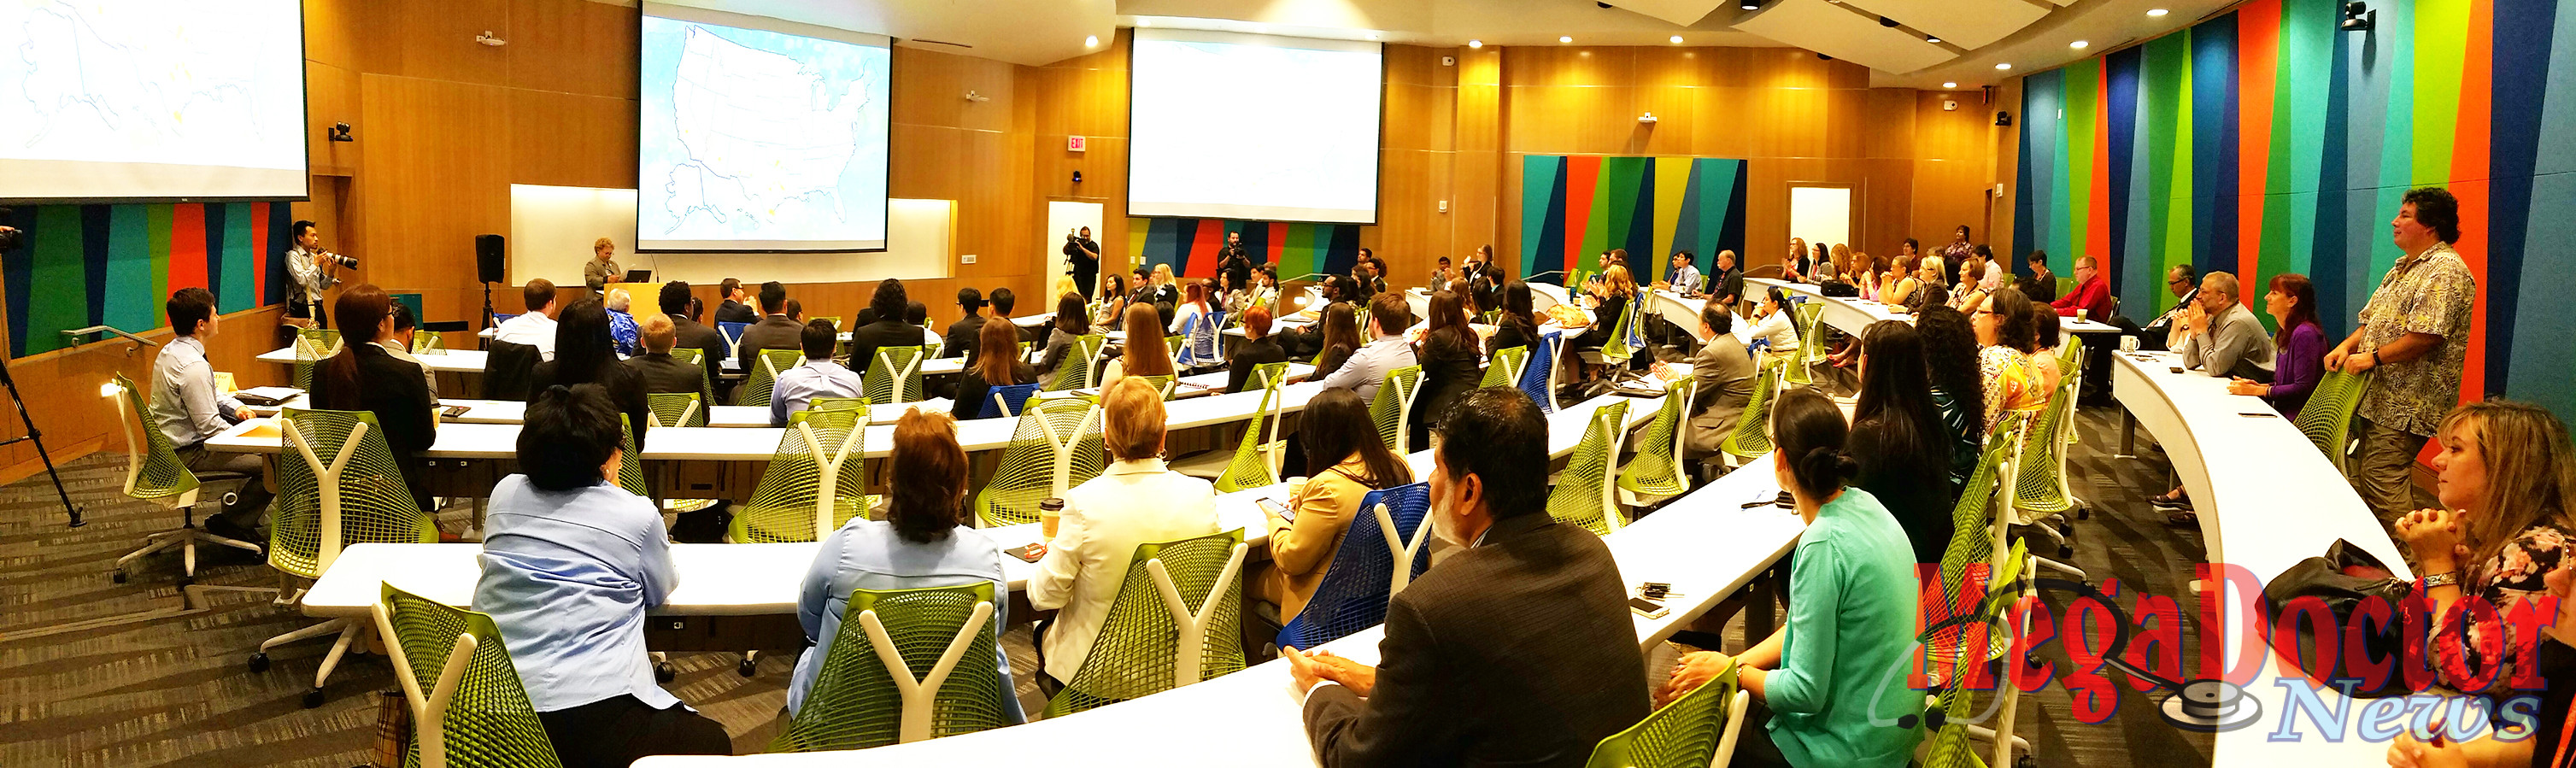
{"x": 1050, "y": 512}
{"x": 1296, "y": 485}
{"x": 2083, "y": 314}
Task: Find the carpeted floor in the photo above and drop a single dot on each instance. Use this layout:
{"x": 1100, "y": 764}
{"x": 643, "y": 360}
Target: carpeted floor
{"x": 97, "y": 673}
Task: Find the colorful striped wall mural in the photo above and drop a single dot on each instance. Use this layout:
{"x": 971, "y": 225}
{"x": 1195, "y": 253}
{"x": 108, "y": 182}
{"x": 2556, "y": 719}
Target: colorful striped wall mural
{"x": 2265, "y": 140}
{"x": 1575, "y": 207}
{"x": 1190, "y": 245}
{"x": 116, "y": 265}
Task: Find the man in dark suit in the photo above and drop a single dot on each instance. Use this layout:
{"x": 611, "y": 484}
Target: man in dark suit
{"x": 664, "y": 374}
{"x": 774, "y": 331}
{"x": 733, "y": 310}
{"x": 1235, "y": 261}
{"x": 960, "y": 339}
{"x": 686, "y": 332}
{"x": 890, "y": 328}
{"x": 1515, "y": 650}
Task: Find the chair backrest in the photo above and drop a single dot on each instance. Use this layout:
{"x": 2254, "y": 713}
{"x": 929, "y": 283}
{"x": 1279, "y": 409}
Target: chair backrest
{"x": 2327, "y": 418}
{"x": 1074, "y": 372}
{"x": 1363, "y": 576}
{"x": 312, "y": 345}
{"x": 761, "y": 381}
{"x": 630, "y": 461}
{"x": 837, "y": 404}
{"x": 1752, "y": 436}
{"x": 337, "y": 485}
{"x": 1267, "y": 375}
{"x": 507, "y": 367}
{"x": 697, "y": 357}
{"x": 907, "y": 665}
{"x": 1055, "y": 446}
{"x": 1006, "y": 400}
{"x": 732, "y": 333}
{"x": 1582, "y": 495}
{"x": 1176, "y": 621}
{"x": 1392, "y": 409}
{"x": 1199, "y": 345}
{"x": 467, "y": 705}
{"x": 428, "y": 343}
{"x": 1252, "y": 466}
{"x": 1179, "y": 346}
{"x": 1658, "y": 469}
{"x": 1692, "y": 732}
{"x": 1164, "y": 383}
{"x": 2039, "y": 474}
{"x": 835, "y": 320}
{"x": 680, "y": 409}
{"x": 1617, "y": 346}
{"x": 820, "y": 450}
{"x": 1811, "y": 330}
{"x": 153, "y": 471}
{"x": 1504, "y": 369}
{"x": 895, "y": 375}
{"x": 1538, "y": 374}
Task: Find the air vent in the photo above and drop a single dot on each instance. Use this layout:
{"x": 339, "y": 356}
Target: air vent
{"x": 940, "y": 42}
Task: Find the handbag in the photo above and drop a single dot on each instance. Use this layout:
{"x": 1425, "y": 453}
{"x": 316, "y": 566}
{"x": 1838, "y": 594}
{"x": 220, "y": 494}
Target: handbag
{"x": 2344, "y": 578}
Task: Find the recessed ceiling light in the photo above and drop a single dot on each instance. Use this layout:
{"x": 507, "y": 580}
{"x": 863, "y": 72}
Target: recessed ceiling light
{"x": 1565, "y": 38}
{"x": 1931, "y": 39}
{"x": 2005, "y": 66}
{"x": 2078, "y": 45}
{"x": 1091, "y": 41}
{"x": 1677, "y": 39}
{"x": 1949, "y": 85}
{"x": 2155, "y": 11}
{"x": 1475, "y": 43}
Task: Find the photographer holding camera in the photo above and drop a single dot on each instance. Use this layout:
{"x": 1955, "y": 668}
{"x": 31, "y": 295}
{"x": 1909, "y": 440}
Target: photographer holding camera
{"x": 1084, "y": 255}
{"x": 313, "y": 270}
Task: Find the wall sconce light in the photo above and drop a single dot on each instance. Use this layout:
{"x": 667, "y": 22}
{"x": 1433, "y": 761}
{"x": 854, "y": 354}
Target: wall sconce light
{"x": 2358, "y": 17}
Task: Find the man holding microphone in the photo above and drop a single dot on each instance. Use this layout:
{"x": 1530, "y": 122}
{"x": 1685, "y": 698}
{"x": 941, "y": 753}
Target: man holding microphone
{"x": 313, "y": 270}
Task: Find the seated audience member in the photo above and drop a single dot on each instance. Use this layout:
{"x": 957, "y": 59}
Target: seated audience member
{"x": 1994, "y": 273}
{"x": 2230, "y": 342}
{"x": 1516, "y": 650}
{"x": 1611, "y": 295}
{"x": 1111, "y": 304}
{"x": 774, "y": 331}
{"x": 916, "y": 314}
{"x": 1726, "y": 373}
{"x": 1143, "y": 352}
{"x": 2012, "y": 380}
{"x": 1517, "y": 325}
{"x": 887, "y": 330}
{"x": 2091, "y": 294}
{"x": 922, "y": 542}
{"x": 1337, "y": 337}
{"x": 2183, "y": 281}
{"x": 667, "y": 375}
{"x": 1813, "y": 701}
{"x": 1727, "y": 284}
{"x": 1257, "y": 348}
{"x": 1901, "y": 283}
{"x": 1958, "y": 389}
{"x": 796, "y": 311}
{"x": 535, "y": 327}
{"x": 570, "y": 565}
{"x": 362, "y": 377}
{"x": 1972, "y": 274}
{"x": 734, "y": 309}
{"x": 584, "y": 356}
{"x": 996, "y": 365}
{"x": 1190, "y": 322}
{"x": 1136, "y": 500}
{"x": 622, "y": 331}
{"x": 1069, "y": 326}
{"x": 1895, "y": 426}
{"x": 185, "y": 405}
{"x": 2298, "y": 362}
{"x": 1928, "y": 288}
{"x": 398, "y": 344}
{"x": 964, "y": 334}
{"x": 1775, "y": 325}
{"x": 1002, "y": 300}
{"x": 686, "y": 331}
{"x": 1386, "y": 351}
{"x": 818, "y": 376}
{"x": 1450, "y": 365}
{"x": 1345, "y": 460}
{"x": 2040, "y": 285}
{"x": 1684, "y": 277}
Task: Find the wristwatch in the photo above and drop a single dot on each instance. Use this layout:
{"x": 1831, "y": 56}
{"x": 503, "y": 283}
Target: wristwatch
{"x": 2443, "y": 579}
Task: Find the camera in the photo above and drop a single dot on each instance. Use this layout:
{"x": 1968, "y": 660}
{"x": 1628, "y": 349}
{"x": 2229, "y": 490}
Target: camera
{"x": 344, "y": 260}
{"x": 11, "y": 238}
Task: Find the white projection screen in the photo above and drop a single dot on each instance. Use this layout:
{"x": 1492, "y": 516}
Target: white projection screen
{"x": 1236, "y": 126}
{"x": 143, "y": 100}
{"x": 755, "y": 134}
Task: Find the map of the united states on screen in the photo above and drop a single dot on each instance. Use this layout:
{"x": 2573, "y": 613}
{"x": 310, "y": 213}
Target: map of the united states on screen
{"x": 762, "y": 137}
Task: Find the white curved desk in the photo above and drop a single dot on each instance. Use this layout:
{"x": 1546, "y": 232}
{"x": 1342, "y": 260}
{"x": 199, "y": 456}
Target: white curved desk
{"x": 1854, "y": 315}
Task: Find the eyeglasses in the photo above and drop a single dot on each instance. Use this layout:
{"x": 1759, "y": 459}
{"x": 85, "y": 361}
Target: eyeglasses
{"x": 2177, "y": 281}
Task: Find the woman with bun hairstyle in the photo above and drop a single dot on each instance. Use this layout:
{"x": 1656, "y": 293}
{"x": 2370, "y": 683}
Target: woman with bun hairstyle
{"x": 1819, "y": 682}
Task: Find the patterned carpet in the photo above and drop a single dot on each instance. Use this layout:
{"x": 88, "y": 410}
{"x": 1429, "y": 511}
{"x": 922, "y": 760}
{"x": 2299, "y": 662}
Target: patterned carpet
{"x": 97, "y": 673}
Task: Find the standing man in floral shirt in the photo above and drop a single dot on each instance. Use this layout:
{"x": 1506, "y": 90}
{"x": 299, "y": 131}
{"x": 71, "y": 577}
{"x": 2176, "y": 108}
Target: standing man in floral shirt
{"x": 2415, "y": 335}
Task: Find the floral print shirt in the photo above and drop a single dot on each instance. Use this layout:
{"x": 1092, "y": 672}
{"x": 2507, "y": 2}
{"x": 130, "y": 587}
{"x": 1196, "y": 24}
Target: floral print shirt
{"x": 2505, "y": 580}
{"x": 2429, "y": 293}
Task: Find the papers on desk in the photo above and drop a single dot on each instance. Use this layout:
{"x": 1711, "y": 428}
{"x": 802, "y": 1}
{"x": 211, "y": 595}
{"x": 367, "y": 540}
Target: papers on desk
{"x": 267, "y": 395}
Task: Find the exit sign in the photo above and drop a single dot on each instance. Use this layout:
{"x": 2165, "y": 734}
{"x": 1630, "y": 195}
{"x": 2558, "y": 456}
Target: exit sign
{"x": 1076, "y": 143}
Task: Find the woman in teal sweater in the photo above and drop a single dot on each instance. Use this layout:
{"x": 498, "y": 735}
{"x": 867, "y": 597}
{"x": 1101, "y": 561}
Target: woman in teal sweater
{"x": 1829, "y": 687}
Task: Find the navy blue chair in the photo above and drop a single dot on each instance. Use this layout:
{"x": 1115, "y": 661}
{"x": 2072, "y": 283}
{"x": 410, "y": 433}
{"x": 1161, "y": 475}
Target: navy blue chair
{"x": 1538, "y": 376}
{"x": 1363, "y": 574}
{"x": 1006, "y": 400}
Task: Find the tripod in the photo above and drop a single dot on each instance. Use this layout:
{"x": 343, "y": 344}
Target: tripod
{"x": 36, "y": 436}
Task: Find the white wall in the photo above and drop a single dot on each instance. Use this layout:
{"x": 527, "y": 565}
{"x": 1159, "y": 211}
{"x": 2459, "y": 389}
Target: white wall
{"x": 1820, "y": 215}
{"x": 551, "y": 230}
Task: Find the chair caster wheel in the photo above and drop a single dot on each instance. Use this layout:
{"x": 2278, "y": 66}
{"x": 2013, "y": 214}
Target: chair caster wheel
{"x": 313, "y": 698}
{"x": 259, "y": 662}
{"x": 118, "y": 577}
{"x": 747, "y": 667}
{"x": 2025, "y": 761}
{"x": 663, "y": 672}
{"x": 230, "y": 499}
{"x": 2066, "y": 553}
{"x": 2083, "y": 513}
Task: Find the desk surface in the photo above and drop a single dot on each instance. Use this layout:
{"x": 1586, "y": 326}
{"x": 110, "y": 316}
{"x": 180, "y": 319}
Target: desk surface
{"x": 451, "y": 361}
{"x": 1853, "y": 315}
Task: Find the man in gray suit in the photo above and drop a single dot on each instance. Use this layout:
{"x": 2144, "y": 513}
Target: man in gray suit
{"x": 774, "y": 331}
{"x": 2228, "y": 341}
{"x": 1516, "y": 650}
{"x": 1725, "y": 372}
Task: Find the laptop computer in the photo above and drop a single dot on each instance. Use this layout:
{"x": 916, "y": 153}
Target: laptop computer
{"x": 639, "y": 276}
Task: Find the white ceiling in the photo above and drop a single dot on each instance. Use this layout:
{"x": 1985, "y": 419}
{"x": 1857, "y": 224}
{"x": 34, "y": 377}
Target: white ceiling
{"x": 1975, "y": 34}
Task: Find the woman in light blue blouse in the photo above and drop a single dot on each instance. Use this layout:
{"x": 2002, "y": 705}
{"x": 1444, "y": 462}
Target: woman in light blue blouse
{"x": 922, "y": 542}
{"x": 570, "y": 564}
{"x": 1827, "y": 686}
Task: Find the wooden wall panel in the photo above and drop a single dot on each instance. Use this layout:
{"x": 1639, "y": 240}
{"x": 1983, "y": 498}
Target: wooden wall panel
{"x": 572, "y": 46}
{"x": 330, "y": 96}
{"x": 435, "y": 40}
{"x": 570, "y": 140}
{"x": 434, "y": 180}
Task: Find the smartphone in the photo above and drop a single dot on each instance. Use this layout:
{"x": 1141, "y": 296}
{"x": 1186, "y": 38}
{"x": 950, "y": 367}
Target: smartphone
{"x": 1276, "y": 509}
{"x": 1021, "y": 552}
{"x": 454, "y": 411}
{"x": 1647, "y": 608}
{"x": 2256, "y": 415}
{"x": 2174, "y": 368}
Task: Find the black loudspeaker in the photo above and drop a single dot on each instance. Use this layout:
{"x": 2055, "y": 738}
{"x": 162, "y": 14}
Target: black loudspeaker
{"x": 487, "y": 258}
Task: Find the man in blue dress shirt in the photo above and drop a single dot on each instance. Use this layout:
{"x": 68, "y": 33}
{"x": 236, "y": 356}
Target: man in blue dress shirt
{"x": 818, "y": 376}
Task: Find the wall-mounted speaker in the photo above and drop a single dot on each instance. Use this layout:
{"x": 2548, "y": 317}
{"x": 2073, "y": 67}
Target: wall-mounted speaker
{"x": 488, "y": 256}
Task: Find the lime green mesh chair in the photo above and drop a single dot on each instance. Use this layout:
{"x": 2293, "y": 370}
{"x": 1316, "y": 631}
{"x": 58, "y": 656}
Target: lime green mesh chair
{"x": 312, "y": 345}
{"x": 337, "y": 485}
{"x": 467, "y": 706}
{"x": 1697, "y": 730}
{"x": 428, "y": 343}
{"x": 154, "y": 473}
{"x": 763, "y": 376}
{"x": 1164, "y": 383}
{"x": 1811, "y": 344}
{"x": 1267, "y": 376}
{"x": 907, "y": 665}
{"x": 835, "y": 320}
{"x": 895, "y": 376}
{"x": 1971, "y": 547}
{"x": 837, "y": 404}
{"x": 697, "y": 357}
{"x": 1179, "y": 348}
{"x": 676, "y": 409}
{"x": 1075, "y": 371}
{"x": 1583, "y": 492}
{"x": 1055, "y": 446}
{"x": 2039, "y": 489}
{"x": 1256, "y": 461}
{"x": 630, "y": 462}
{"x": 2327, "y": 418}
{"x": 1752, "y": 434}
{"x": 1955, "y": 649}
{"x": 1392, "y": 408}
{"x": 820, "y": 450}
{"x": 1657, "y": 473}
{"x": 1177, "y": 620}
{"x": 1504, "y": 370}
